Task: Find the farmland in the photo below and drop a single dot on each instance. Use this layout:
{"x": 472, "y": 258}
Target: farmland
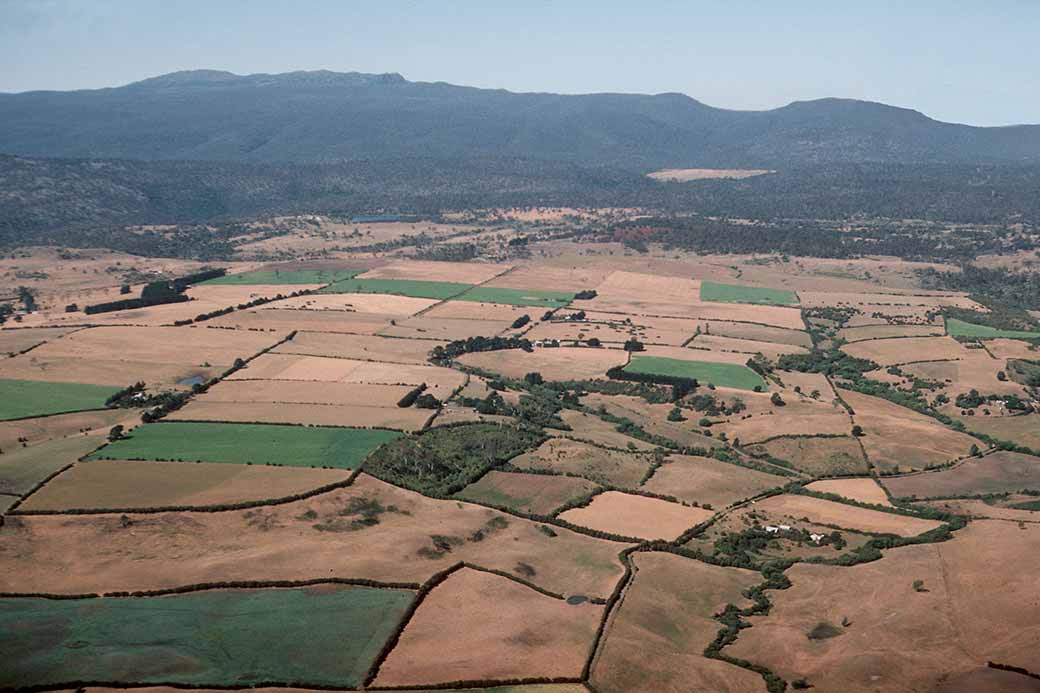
{"x": 719, "y": 374}
{"x": 292, "y": 446}
{"x": 545, "y": 469}
{"x": 959, "y": 328}
{"x": 21, "y": 399}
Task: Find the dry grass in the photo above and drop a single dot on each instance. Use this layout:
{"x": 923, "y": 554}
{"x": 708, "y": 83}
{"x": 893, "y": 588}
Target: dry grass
{"x": 827, "y": 512}
{"x": 862, "y": 490}
{"x": 533, "y": 493}
{"x": 363, "y": 347}
{"x": 999, "y": 472}
{"x": 459, "y": 272}
{"x": 597, "y": 464}
{"x": 636, "y": 516}
{"x": 562, "y": 363}
{"x": 354, "y": 416}
{"x": 687, "y": 174}
{"x": 889, "y": 352}
{"x": 709, "y": 482}
{"x": 818, "y": 456}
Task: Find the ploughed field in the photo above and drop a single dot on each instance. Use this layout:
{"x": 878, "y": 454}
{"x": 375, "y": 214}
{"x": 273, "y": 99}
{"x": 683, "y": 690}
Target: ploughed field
{"x": 569, "y": 469}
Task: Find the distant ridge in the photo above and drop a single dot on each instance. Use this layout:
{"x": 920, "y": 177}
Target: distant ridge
{"x": 324, "y": 116}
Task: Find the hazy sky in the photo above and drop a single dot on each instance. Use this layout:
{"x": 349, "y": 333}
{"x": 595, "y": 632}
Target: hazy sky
{"x": 960, "y": 60}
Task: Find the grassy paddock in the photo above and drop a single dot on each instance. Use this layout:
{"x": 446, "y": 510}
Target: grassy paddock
{"x": 721, "y": 374}
{"x": 959, "y": 328}
{"x": 517, "y": 297}
{"x": 735, "y": 293}
{"x": 23, "y": 398}
{"x": 285, "y": 277}
{"x": 397, "y": 287}
{"x": 214, "y": 638}
{"x": 291, "y": 446}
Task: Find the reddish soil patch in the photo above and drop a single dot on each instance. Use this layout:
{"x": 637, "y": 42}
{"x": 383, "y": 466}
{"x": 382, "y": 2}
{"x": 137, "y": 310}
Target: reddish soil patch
{"x": 477, "y": 626}
{"x": 636, "y": 516}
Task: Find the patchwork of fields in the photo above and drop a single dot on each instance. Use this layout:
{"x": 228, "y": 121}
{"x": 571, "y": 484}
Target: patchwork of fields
{"x": 566, "y": 468}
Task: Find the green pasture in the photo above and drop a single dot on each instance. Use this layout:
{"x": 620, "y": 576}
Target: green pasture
{"x": 517, "y": 297}
{"x": 397, "y": 287}
{"x": 720, "y": 374}
{"x": 20, "y": 399}
{"x": 290, "y": 446}
{"x": 959, "y": 328}
{"x": 736, "y": 293}
{"x": 285, "y": 277}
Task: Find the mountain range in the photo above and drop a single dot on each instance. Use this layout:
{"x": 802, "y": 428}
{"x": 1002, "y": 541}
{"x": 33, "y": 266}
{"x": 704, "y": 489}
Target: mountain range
{"x": 329, "y": 117}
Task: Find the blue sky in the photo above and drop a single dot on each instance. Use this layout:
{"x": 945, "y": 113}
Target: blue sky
{"x": 958, "y": 60}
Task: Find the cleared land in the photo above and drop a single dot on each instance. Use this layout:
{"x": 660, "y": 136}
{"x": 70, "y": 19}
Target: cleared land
{"x": 889, "y": 352}
{"x": 356, "y": 416}
{"x": 974, "y": 610}
{"x": 657, "y": 639}
{"x": 999, "y": 472}
{"x": 720, "y": 374}
{"x": 818, "y": 456}
{"x": 297, "y": 392}
{"x": 592, "y": 462}
{"x": 457, "y": 272}
{"x": 284, "y": 321}
{"x": 761, "y": 333}
{"x": 421, "y": 327}
{"x": 285, "y": 277}
{"x": 13, "y": 341}
{"x": 361, "y": 347}
{"x": 850, "y": 516}
{"x": 563, "y": 363}
{"x": 738, "y": 293}
{"x": 476, "y": 626}
{"x": 959, "y": 328}
{"x": 709, "y": 482}
{"x": 382, "y": 304}
{"x": 592, "y": 429}
{"x": 859, "y": 334}
{"x": 34, "y": 431}
{"x": 323, "y": 536}
{"x": 123, "y": 484}
{"x": 862, "y": 490}
{"x": 688, "y": 174}
{"x": 629, "y": 515}
{"x": 533, "y": 493}
{"x": 897, "y": 437}
{"x": 216, "y": 637}
{"x": 289, "y": 446}
{"x": 400, "y": 287}
{"x": 22, "y": 468}
{"x": 20, "y": 399}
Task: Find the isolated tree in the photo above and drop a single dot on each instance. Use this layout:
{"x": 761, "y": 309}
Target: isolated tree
{"x": 633, "y": 344}
{"x": 777, "y": 400}
{"x": 534, "y": 378}
{"x": 857, "y": 431}
{"x": 676, "y": 414}
{"x": 594, "y": 342}
{"x": 115, "y": 433}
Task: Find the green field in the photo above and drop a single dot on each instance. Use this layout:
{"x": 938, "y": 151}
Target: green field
{"x": 959, "y": 328}
{"x": 518, "y": 297}
{"x": 286, "y": 277}
{"x": 326, "y": 637}
{"x": 22, "y": 468}
{"x": 721, "y": 374}
{"x": 23, "y": 398}
{"x": 735, "y": 293}
{"x": 290, "y": 446}
{"x": 397, "y": 287}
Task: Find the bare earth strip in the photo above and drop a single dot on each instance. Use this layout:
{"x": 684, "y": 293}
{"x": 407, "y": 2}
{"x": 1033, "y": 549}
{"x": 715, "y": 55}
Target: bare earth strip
{"x": 476, "y": 626}
{"x": 688, "y": 174}
{"x": 382, "y": 304}
{"x": 657, "y": 639}
{"x": 850, "y": 516}
{"x": 636, "y": 516}
{"x": 460, "y": 272}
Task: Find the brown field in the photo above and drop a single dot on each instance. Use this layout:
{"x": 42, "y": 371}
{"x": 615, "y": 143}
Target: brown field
{"x": 818, "y": 456}
{"x": 998, "y": 472}
{"x": 152, "y": 316}
{"x": 14, "y": 340}
{"x": 459, "y": 272}
{"x": 657, "y": 638}
{"x": 62, "y": 426}
{"x": 1024, "y": 430}
{"x": 363, "y": 347}
{"x": 532, "y": 493}
{"x": 759, "y": 333}
{"x": 745, "y": 346}
{"x": 899, "y": 639}
{"x": 709, "y": 482}
{"x": 862, "y": 490}
{"x": 980, "y": 509}
{"x": 1004, "y": 349}
{"x": 471, "y": 310}
{"x": 592, "y": 429}
{"x": 651, "y": 417}
{"x": 77, "y": 554}
{"x": 873, "y": 314}
{"x": 309, "y": 241}
{"x": 232, "y": 294}
{"x": 688, "y": 174}
{"x": 974, "y": 370}
{"x": 889, "y": 352}
{"x": 636, "y": 516}
{"x": 296, "y": 392}
{"x": 283, "y": 321}
{"x": 564, "y": 363}
{"x": 571, "y": 278}
{"x": 896, "y": 299}
{"x": 358, "y": 416}
{"x": 800, "y": 416}
{"x": 897, "y": 437}
{"x": 611, "y": 467}
{"x": 447, "y": 329}
{"x": 116, "y": 484}
{"x": 611, "y": 327}
{"x": 849, "y": 516}
{"x": 807, "y": 382}
{"x": 440, "y": 381}
{"x": 696, "y": 353}
{"x": 123, "y": 355}
{"x": 476, "y": 626}
{"x": 381, "y": 304}
{"x": 22, "y": 468}
{"x": 856, "y": 334}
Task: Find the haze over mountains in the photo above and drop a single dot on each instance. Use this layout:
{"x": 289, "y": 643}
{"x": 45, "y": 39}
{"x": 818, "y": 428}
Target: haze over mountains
{"x": 322, "y": 116}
